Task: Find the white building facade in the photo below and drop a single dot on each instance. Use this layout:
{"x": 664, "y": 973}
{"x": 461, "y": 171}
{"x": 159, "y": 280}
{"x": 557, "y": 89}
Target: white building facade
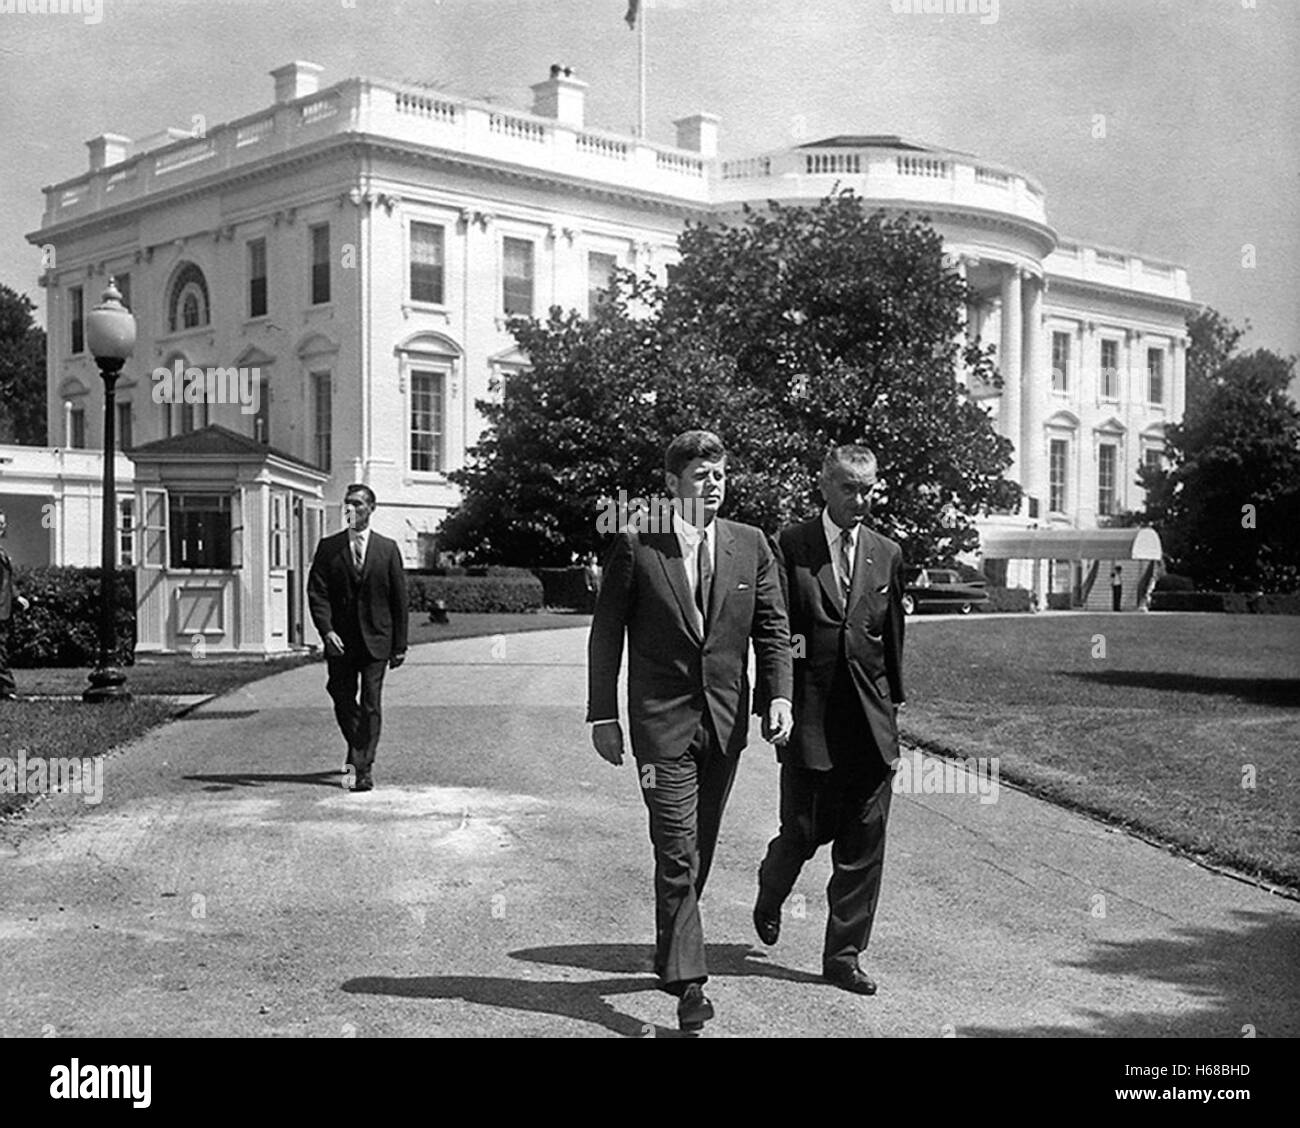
{"x": 362, "y": 246}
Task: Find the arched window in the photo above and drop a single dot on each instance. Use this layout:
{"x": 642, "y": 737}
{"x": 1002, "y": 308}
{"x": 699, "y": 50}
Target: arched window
{"x": 187, "y": 304}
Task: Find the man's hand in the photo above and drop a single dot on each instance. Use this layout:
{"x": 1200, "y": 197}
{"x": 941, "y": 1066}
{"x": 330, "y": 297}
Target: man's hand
{"x": 779, "y": 723}
{"x": 23, "y": 602}
{"x": 333, "y": 644}
{"x": 608, "y": 741}
{"x": 396, "y": 660}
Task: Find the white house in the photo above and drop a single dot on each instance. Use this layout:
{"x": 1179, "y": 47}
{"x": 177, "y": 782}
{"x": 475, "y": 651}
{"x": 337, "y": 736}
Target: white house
{"x": 358, "y": 250}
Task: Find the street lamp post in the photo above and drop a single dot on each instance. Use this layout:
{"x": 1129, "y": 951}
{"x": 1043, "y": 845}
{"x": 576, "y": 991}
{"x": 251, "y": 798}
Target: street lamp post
{"x": 110, "y": 335}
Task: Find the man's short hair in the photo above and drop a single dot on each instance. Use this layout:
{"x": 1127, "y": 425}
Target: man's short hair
{"x": 361, "y": 488}
{"x": 690, "y": 445}
{"x": 850, "y": 454}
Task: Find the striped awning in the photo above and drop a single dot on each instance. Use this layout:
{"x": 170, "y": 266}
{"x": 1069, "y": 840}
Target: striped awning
{"x": 1141, "y": 543}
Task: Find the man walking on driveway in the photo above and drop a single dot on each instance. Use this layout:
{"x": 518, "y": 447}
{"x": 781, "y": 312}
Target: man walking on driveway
{"x": 689, "y": 592}
{"x": 357, "y": 594}
{"x": 843, "y": 585}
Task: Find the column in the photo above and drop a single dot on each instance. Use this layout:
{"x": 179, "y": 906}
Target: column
{"x": 1036, "y": 381}
{"x": 1178, "y": 377}
{"x": 1009, "y": 365}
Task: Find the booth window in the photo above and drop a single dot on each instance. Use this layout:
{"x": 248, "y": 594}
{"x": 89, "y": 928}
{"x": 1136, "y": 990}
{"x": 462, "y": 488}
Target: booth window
{"x": 126, "y": 532}
{"x": 200, "y": 530}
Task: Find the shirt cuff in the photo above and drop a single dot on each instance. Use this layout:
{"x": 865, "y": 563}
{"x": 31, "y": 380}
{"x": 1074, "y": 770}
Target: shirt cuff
{"x": 782, "y": 700}
{"x": 606, "y": 721}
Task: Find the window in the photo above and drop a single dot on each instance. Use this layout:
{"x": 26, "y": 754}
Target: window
{"x": 155, "y": 528}
{"x": 426, "y": 421}
{"x": 257, "y": 278}
{"x": 1155, "y": 376}
{"x": 126, "y": 532}
{"x": 188, "y": 305}
{"x": 125, "y": 439}
{"x": 426, "y": 263}
{"x": 1110, "y": 370}
{"x": 77, "y": 428}
{"x": 1057, "y": 475}
{"x": 1060, "y": 362}
{"x": 279, "y": 531}
{"x": 200, "y": 530}
{"x": 600, "y": 276}
{"x": 1153, "y": 458}
{"x": 194, "y": 416}
{"x": 123, "y": 283}
{"x": 517, "y": 276}
{"x": 1107, "y": 455}
{"x": 320, "y": 264}
{"x": 76, "y": 318}
{"x": 262, "y": 420}
{"x": 323, "y": 408}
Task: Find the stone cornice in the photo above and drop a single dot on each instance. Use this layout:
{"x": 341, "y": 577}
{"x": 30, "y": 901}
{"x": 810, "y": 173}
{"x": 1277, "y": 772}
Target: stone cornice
{"x": 1063, "y": 284}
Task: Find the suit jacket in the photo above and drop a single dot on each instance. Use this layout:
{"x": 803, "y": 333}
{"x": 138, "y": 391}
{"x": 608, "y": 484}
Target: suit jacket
{"x": 6, "y": 586}
{"x": 675, "y": 673}
{"x": 367, "y": 608}
{"x": 867, "y": 637}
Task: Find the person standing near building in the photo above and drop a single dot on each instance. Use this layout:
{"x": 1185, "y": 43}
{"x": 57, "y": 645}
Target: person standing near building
{"x": 843, "y": 584}
{"x": 357, "y": 594}
{"x": 688, "y": 593}
{"x": 8, "y": 598}
{"x": 1117, "y": 588}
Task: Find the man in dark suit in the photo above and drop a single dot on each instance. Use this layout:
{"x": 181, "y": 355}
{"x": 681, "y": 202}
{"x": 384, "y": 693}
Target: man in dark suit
{"x": 843, "y": 585}
{"x": 7, "y": 600}
{"x": 689, "y": 590}
{"x": 357, "y": 595}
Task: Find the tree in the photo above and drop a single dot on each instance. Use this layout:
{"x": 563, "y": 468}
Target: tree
{"x": 22, "y": 371}
{"x": 1228, "y": 505}
{"x": 788, "y": 332}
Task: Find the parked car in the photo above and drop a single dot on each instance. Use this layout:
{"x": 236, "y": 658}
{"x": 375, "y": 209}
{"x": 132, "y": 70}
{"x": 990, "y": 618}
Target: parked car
{"x": 941, "y": 589}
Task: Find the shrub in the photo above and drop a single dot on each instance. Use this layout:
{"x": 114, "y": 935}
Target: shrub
{"x": 1277, "y": 603}
{"x": 1007, "y": 599}
{"x": 504, "y": 594}
{"x": 1187, "y": 601}
{"x": 61, "y": 628}
{"x": 567, "y": 588}
{"x": 1172, "y": 582}
{"x": 1059, "y": 601}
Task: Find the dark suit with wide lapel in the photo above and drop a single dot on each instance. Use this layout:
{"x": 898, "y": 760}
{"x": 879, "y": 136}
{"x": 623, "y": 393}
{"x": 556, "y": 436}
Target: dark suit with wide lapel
{"x": 848, "y": 682}
{"x": 367, "y": 608}
{"x": 688, "y": 700}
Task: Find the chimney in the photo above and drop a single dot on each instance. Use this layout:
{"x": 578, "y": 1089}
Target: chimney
{"x": 296, "y": 80}
{"x": 699, "y": 133}
{"x": 108, "y": 149}
{"x": 560, "y": 97}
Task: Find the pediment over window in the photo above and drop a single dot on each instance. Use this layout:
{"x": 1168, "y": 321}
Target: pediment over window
{"x": 1111, "y": 426}
{"x": 316, "y": 344}
{"x": 1063, "y": 420}
{"x": 1154, "y": 433}
{"x": 513, "y": 357}
{"x": 72, "y": 387}
{"x": 428, "y": 343}
{"x": 253, "y": 357}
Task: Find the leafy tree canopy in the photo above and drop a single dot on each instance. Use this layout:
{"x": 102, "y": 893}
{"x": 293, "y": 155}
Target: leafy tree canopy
{"x": 789, "y": 331}
{"x": 22, "y": 371}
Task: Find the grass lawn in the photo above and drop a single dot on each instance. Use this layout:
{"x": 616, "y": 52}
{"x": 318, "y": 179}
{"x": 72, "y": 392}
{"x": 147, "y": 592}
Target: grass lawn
{"x": 1150, "y": 721}
{"x": 72, "y": 728}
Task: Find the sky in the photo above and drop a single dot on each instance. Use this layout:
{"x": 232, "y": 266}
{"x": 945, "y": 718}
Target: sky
{"x": 1197, "y": 159}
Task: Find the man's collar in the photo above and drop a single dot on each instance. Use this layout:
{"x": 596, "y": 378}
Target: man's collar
{"x": 684, "y": 528}
{"x": 833, "y": 531}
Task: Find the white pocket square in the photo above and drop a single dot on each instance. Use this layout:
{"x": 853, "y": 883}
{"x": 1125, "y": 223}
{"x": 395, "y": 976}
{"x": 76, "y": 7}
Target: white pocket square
{"x": 883, "y": 590}
{"x": 742, "y": 587}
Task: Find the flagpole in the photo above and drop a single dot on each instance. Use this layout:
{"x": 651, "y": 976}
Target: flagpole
{"x": 640, "y": 60}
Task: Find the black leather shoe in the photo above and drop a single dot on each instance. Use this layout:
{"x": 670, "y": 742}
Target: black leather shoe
{"x": 694, "y": 1008}
{"x": 364, "y": 782}
{"x": 850, "y": 978}
{"x": 767, "y": 924}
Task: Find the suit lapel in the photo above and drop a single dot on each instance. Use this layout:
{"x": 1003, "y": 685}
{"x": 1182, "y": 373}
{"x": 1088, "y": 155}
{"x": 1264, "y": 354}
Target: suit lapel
{"x": 724, "y": 568}
{"x": 819, "y": 562}
{"x": 670, "y": 560}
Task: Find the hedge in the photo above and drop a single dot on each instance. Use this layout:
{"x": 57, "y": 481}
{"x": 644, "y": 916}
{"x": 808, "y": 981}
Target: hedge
{"x": 504, "y": 594}
{"x": 567, "y": 588}
{"x": 61, "y": 628}
{"x": 1007, "y": 599}
{"x": 1171, "y": 582}
{"x": 1227, "y": 602}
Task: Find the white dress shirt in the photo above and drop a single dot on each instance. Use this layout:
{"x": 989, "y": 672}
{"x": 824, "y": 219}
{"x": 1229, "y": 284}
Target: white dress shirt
{"x": 688, "y": 539}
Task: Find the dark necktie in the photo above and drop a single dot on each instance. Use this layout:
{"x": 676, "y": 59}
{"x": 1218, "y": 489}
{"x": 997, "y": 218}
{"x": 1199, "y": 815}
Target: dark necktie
{"x": 357, "y": 558}
{"x": 846, "y": 565}
{"x": 703, "y": 578}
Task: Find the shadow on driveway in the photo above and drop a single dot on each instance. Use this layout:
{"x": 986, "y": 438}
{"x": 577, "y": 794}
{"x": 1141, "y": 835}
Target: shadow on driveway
{"x": 256, "y": 779}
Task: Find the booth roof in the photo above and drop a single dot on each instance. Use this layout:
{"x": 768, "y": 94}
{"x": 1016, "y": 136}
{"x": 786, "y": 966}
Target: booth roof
{"x": 214, "y": 441}
{"x": 1141, "y": 543}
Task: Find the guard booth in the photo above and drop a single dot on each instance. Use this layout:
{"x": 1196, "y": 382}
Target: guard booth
{"x": 1072, "y": 568}
{"x": 225, "y": 532}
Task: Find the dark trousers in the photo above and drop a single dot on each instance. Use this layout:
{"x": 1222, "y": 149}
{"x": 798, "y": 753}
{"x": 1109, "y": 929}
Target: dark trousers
{"x": 849, "y": 809}
{"x": 359, "y": 722}
{"x": 685, "y": 798}
{"x": 1117, "y": 598}
{"x": 6, "y": 677}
